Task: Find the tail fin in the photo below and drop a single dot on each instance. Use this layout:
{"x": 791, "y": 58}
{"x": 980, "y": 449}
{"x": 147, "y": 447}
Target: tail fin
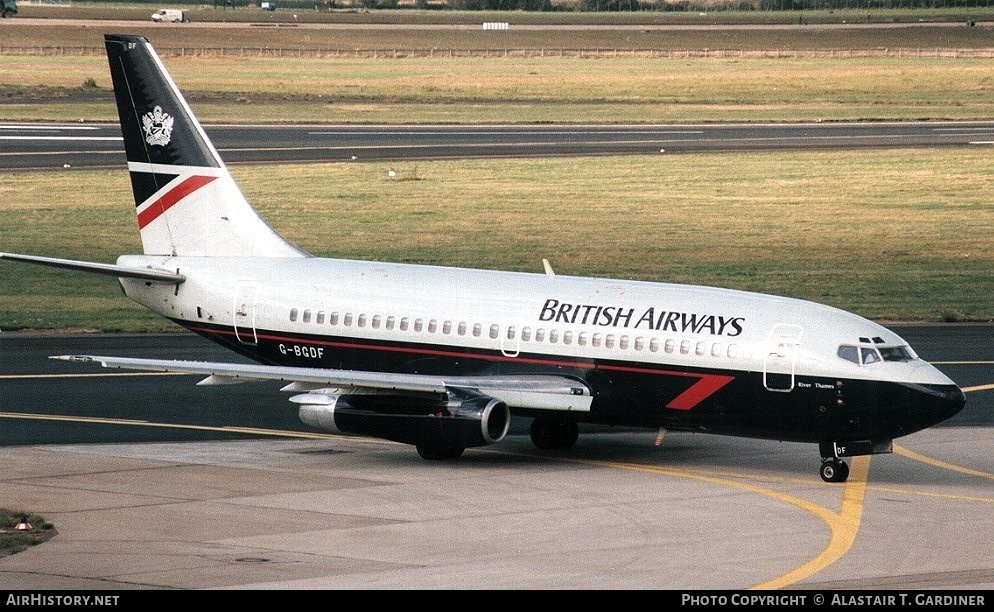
{"x": 187, "y": 202}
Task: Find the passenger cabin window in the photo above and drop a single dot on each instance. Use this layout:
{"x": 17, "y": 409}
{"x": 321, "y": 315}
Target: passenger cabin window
{"x": 320, "y": 317}
{"x": 333, "y": 319}
{"x": 494, "y": 331}
{"x": 307, "y": 316}
{"x": 293, "y": 314}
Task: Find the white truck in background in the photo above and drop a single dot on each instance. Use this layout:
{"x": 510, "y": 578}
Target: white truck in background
{"x": 169, "y": 15}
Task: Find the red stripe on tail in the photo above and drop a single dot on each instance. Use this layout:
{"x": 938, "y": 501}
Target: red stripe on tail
{"x": 177, "y": 193}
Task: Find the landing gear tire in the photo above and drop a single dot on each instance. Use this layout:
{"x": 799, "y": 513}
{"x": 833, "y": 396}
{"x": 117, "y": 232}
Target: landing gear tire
{"x": 549, "y": 434}
{"x": 834, "y": 470}
{"x": 434, "y": 453}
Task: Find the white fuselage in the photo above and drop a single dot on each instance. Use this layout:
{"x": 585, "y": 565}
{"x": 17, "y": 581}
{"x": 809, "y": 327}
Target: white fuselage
{"x": 513, "y": 314}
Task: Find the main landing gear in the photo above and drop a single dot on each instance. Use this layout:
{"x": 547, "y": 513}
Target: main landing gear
{"x": 549, "y": 434}
{"x": 436, "y": 453}
{"x": 834, "y": 469}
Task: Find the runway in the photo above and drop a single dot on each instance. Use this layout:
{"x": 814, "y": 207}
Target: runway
{"x": 177, "y": 496}
{"x": 40, "y": 146}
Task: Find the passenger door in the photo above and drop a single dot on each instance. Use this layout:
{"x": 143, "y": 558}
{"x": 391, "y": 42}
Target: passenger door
{"x": 244, "y": 313}
{"x": 780, "y": 357}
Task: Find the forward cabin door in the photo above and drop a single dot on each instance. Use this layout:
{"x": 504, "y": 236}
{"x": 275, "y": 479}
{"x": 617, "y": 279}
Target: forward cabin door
{"x": 780, "y": 358}
{"x": 244, "y": 309}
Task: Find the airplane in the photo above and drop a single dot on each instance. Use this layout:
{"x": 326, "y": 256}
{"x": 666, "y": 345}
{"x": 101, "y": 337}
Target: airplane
{"x": 442, "y": 358}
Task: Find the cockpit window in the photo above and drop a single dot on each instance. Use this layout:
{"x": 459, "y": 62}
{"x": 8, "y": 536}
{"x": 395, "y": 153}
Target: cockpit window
{"x": 896, "y": 353}
{"x": 849, "y": 353}
{"x": 869, "y": 355}
{"x": 866, "y": 355}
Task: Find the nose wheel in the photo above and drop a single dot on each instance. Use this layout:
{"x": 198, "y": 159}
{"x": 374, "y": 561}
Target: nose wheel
{"x": 834, "y": 469}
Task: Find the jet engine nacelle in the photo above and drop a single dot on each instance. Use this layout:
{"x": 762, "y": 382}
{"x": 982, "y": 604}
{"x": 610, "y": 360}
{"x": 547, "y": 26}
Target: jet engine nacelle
{"x": 464, "y": 422}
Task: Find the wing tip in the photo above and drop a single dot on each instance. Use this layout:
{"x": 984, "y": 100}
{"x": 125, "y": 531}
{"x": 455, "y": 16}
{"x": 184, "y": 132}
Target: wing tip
{"x": 76, "y": 358}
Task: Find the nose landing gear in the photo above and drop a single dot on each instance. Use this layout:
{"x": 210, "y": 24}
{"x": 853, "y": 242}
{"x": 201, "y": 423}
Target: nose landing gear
{"x": 834, "y": 469}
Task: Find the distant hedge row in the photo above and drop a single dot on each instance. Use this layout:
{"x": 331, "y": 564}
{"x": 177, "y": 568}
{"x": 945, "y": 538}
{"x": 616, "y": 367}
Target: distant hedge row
{"x": 597, "y": 5}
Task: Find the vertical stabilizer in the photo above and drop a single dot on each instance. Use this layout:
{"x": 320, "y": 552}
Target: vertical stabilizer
{"x": 187, "y": 202}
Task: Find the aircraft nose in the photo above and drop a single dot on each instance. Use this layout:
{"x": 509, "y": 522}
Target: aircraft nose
{"x": 954, "y": 400}
{"x": 936, "y": 403}
{"x": 938, "y": 397}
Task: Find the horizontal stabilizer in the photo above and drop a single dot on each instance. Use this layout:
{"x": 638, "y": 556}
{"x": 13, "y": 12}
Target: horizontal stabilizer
{"x": 149, "y": 274}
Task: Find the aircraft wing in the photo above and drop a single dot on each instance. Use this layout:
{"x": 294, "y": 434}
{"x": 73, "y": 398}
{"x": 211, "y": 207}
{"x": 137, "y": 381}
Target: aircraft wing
{"x": 543, "y": 392}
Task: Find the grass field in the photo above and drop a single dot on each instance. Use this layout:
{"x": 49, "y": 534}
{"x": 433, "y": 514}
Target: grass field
{"x": 521, "y": 89}
{"x": 235, "y": 71}
{"x": 13, "y": 541}
{"x": 314, "y": 37}
{"x": 895, "y": 235}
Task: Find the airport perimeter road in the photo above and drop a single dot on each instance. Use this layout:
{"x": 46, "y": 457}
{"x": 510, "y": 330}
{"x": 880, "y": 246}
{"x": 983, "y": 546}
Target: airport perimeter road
{"x": 293, "y": 509}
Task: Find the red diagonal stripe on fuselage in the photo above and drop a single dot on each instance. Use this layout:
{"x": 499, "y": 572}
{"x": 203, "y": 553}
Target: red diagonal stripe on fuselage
{"x": 166, "y": 201}
{"x": 699, "y": 391}
{"x": 706, "y": 385}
